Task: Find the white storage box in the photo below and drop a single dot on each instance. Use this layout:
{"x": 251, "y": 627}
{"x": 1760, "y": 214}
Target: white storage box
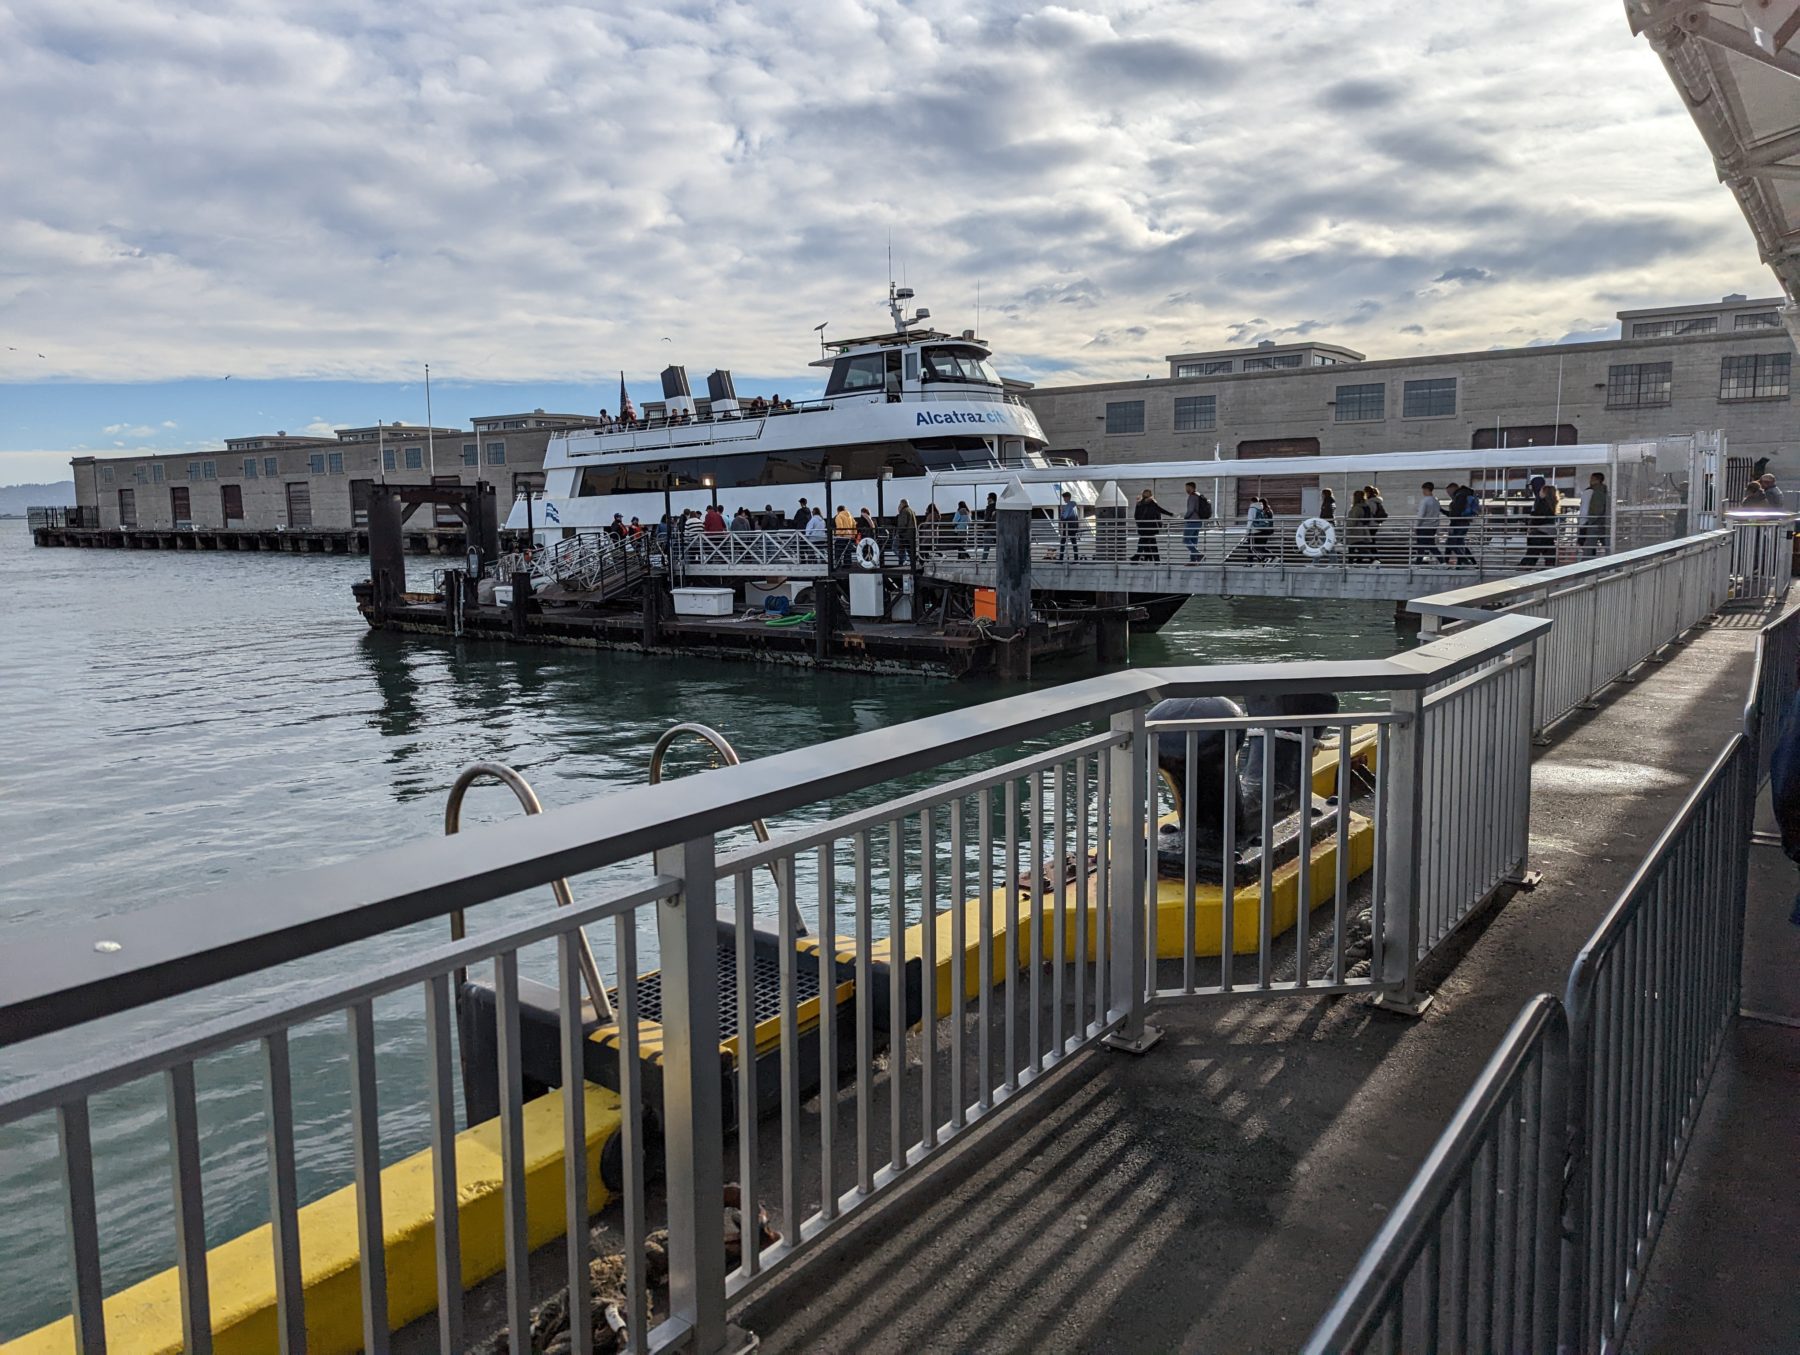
{"x": 503, "y": 595}
{"x": 703, "y": 601}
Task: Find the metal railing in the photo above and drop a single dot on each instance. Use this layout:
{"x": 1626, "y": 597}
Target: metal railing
{"x": 1762, "y": 555}
{"x": 771, "y": 552}
{"x": 1627, "y": 1054}
{"x": 60, "y": 516}
{"x": 1491, "y": 545}
{"x": 979, "y": 921}
{"x": 1611, "y": 614}
{"x": 588, "y": 562}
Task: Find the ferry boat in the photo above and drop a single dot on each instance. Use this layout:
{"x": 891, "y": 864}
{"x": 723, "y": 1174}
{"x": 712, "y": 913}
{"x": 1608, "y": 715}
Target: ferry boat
{"x": 898, "y": 409}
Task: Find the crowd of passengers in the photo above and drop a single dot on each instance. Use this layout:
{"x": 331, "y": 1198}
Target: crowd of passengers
{"x": 1439, "y": 531}
{"x": 629, "y": 419}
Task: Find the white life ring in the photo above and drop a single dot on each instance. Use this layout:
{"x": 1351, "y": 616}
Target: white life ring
{"x": 868, "y": 554}
{"x": 1315, "y": 536}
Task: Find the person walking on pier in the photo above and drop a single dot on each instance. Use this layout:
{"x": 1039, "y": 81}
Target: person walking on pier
{"x": 990, "y": 523}
{"x": 1465, "y": 507}
{"x": 1540, "y": 532}
{"x": 843, "y": 533}
{"x": 1377, "y": 515}
{"x": 906, "y": 534}
{"x": 1149, "y": 514}
{"x": 1193, "y": 518}
{"x": 960, "y": 523}
{"x": 1327, "y": 507}
{"x": 1357, "y": 528}
{"x": 1261, "y": 521}
{"x": 1596, "y": 517}
{"x": 1068, "y": 524}
{"x": 1425, "y": 529}
{"x": 1763, "y": 493}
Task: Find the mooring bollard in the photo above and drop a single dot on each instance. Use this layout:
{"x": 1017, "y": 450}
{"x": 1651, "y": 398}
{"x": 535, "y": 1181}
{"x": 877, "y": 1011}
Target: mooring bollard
{"x": 1012, "y": 583}
{"x": 521, "y": 603}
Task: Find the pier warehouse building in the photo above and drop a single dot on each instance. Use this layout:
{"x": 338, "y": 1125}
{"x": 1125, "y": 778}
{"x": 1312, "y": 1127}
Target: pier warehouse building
{"x": 275, "y": 481}
{"x": 1726, "y": 365}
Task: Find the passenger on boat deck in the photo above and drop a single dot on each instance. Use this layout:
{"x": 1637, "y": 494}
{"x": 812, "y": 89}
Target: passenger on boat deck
{"x": 815, "y": 527}
{"x": 715, "y": 521}
{"x": 802, "y": 517}
{"x": 843, "y": 532}
{"x": 741, "y": 522}
{"x": 961, "y": 523}
{"x": 616, "y": 528}
{"x": 635, "y": 530}
{"x": 865, "y": 526}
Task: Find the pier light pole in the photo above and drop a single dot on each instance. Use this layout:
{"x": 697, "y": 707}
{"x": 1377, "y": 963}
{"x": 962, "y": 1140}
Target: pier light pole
{"x": 430, "y": 450}
{"x": 887, "y": 473}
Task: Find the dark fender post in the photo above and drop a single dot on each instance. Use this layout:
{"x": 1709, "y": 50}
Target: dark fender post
{"x": 1012, "y": 582}
{"x": 824, "y": 617}
{"x": 387, "y": 556}
{"x": 521, "y": 603}
{"x": 1112, "y": 627}
{"x": 652, "y": 613}
{"x": 487, "y": 523}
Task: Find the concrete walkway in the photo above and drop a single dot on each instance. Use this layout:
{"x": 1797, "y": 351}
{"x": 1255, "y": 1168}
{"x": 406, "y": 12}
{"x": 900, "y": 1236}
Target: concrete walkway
{"x": 1214, "y": 1194}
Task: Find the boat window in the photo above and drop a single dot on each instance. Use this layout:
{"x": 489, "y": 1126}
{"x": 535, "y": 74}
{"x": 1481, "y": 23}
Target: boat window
{"x": 953, "y": 453}
{"x": 912, "y": 366}
{"x": 864, "y": 372}
{"x": 958, "y": 364}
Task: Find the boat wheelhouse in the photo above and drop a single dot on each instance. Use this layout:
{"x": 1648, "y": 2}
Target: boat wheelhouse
{"x": 898, "y": 410}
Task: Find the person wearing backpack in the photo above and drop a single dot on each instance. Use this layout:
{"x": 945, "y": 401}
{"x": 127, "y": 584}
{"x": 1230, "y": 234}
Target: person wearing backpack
{"x": 1465, "y": 507}
{"x": 1068, "y": 521}
{"x": 1377, "y": 515}
{"x": 1198, "y": 510}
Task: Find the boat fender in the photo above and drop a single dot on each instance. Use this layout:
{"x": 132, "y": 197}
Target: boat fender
{"x": 1315, "y": 536}
{"x": 868, "y": 554}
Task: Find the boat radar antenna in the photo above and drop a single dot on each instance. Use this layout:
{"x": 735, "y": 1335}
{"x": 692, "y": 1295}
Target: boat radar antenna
{"x": 897, "y": 299}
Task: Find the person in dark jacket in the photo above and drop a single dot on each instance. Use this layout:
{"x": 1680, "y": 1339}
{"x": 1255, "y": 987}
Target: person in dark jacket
{"x": 1464, "y": 507}
{"x": 1149, "y": 515}
{"x": 802, "y": 516}
{"x": 1540, "y": 530}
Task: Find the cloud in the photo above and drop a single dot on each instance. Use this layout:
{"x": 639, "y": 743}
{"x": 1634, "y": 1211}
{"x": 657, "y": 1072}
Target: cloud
{"x": 319, "y": 428}
{"x": 1464, "y": 274}
{"x": 520, "y": 192}
{"x": 141, "y": 430}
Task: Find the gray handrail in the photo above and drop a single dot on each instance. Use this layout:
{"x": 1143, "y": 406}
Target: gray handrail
{"x": 521, "y": 788}
{"x": 722, "y": 746}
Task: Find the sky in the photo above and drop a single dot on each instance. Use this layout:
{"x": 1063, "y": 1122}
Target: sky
{"x": 316, "y": 199}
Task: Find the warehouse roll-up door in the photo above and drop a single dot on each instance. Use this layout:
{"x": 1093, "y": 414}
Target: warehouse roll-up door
{"x": 1282, "y": 491}
{"x": 299, "y": 498}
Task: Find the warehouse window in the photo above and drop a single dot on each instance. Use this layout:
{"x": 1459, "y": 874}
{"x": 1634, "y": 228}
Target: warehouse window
{"x": 1757, "y": 320}
{"x": 496, "y": 453}
{"x": 269, "y": 467}
{"x": 193, "y": 470}
{"x": 1759, "y": 376}
{"x": 1429, "y": 399}
{"x": 387, "y": 458}
{"x": 1662, "y": 329}
{"x": 1219, "y": 368}
{"x": 1125, "y": 416}
{"x": 106, "y": 474}
{"x": 141, "y": 475}
{"x": 1196, "y": 413}
{"x": 316, "y": 463}
{"x": 1361, "y": 404}
{"x": 334, "y": 461}
{"x": 156, "y": 472}
{"x": 1639, "y": 385}
{"x": 1271, "y": 362}
{"x": 209, "y": 469}
{"x": 415, "y": 458}
{"x": 471, "y": 454}
{"x": 249, "y": 468}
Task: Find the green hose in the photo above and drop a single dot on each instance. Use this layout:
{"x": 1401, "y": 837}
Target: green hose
{"x": 798, "y": 618}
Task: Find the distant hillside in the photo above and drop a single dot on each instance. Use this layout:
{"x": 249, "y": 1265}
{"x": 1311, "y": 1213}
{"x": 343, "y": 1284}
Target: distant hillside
{"x": 15, "y": 499}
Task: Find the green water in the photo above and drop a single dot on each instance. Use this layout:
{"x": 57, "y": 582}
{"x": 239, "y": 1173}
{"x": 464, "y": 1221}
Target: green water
{"x": 183, "y": 722}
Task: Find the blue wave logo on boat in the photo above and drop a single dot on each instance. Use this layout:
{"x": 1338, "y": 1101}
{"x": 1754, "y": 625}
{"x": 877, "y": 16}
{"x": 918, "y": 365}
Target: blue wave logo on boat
{"x": 927, "y": 417}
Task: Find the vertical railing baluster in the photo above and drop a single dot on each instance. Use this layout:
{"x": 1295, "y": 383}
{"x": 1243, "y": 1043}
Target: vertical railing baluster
{"x": 631, "y": 1130}
{"x": 512, "y": 1141}
{"x": 1103, "y": 849}
{"x": 1341, "y": 885}
{"x": 984, "y": 831}
{"x": 693, "y": 1127}
{"x": 1036, "y": 895}
{"x": 897, "y": 1025}
{"x": 1228, "y": 866}
{"x": 576, "y": 1207}
{"x": 786, "y": 911}
{"x": 748, "y": 1111}
{"x": 1059, "y": 880}
{"x": 284, "y": 1194}
{"x": 1010, "y": 883}
{"x": 865, "y": 1017}
{"x": 440, "y": 1060}
{"x": 1265, "y": 936}
{"x": 959, "y": 978}
{"x": 1083, "y": 918}
{"x": 365, "y": 1131}
{"x": 81, "y": 1215}
{"x": 928, "y": 985}
{"x": 1190, "y": 828}
{"x": 828, "y": 1032}
{"x": 1131, "y": 832}
{"x": 1303, "y": 881}
{"x": 190, "y": 1213}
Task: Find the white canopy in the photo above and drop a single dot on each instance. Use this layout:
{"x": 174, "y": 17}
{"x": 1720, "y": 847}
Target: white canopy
{"x": 1520, "y": 459}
